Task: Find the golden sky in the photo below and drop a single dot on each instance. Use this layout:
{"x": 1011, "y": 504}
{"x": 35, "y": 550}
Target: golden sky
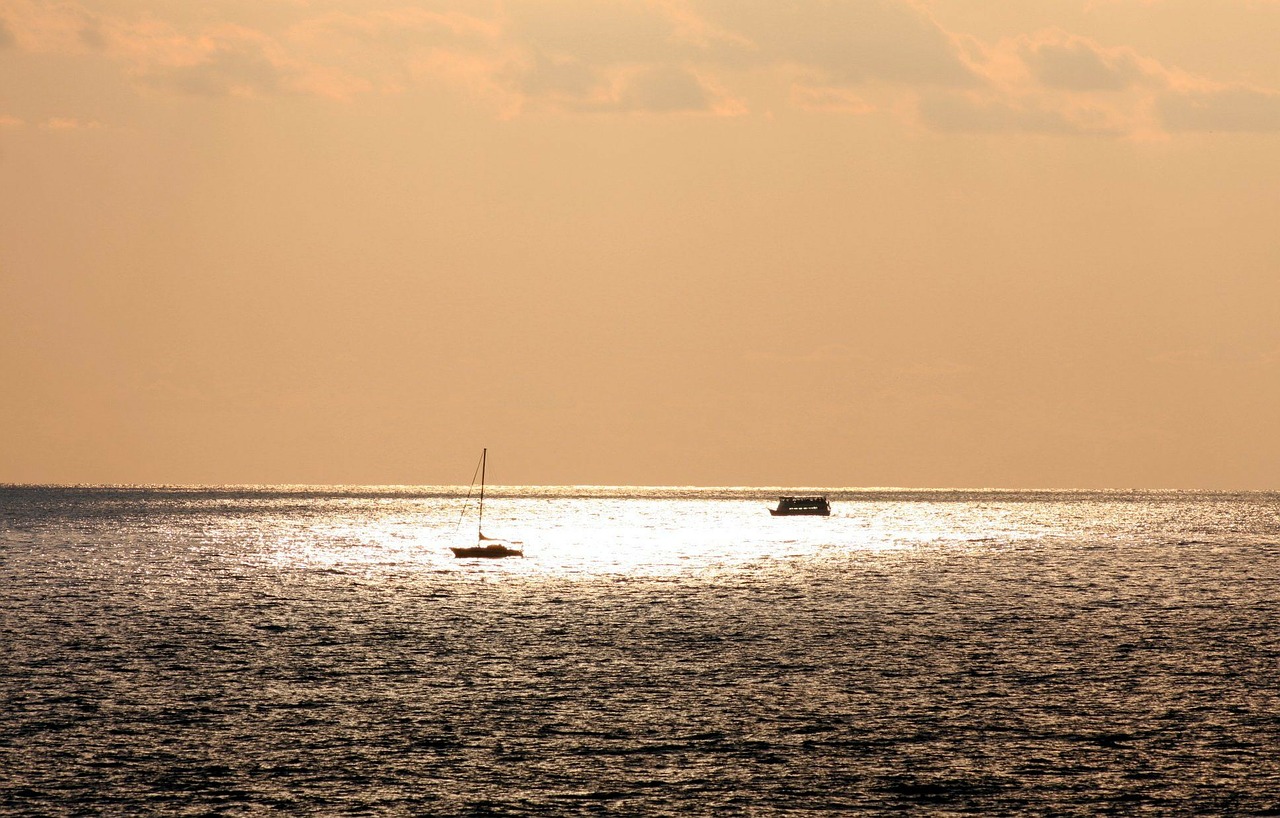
{"x": 710, "y": 242}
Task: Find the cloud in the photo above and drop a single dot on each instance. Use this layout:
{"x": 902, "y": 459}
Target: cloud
{"x": 43, "y": 27}
{"x": 632, "y": 56}
{"x": 1052, "y": 82}
{"x": 385, "y": 51}
{"x": 560, "y": 77}
{"x": 383, "y": 46}
{"x": 662, "y": 57}
{"x": 681, "y": 57}
{"x": 597, "y": 33}
{"x": 665, "y": 89}
{"x": 849, "y": 42}
{"x": 92, "y": 35}
{"x": 229, "y": 62}
{"x": 1235, "y": 109}
{"x": 1076, "y": 64}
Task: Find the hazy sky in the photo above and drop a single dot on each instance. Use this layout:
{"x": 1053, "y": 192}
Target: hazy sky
{"x": 743, "y": 242}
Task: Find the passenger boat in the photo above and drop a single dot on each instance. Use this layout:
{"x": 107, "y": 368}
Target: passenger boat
{"x": 813, "y": 506}
{"x": 486, "y": 547}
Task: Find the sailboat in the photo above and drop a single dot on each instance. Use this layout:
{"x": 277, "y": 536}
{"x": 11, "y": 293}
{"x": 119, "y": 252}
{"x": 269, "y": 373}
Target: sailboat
{"x": 487, "y": 547}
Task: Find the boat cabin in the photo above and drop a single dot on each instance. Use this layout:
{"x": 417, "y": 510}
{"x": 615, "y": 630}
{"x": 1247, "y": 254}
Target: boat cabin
{"x": 817, "y": 506}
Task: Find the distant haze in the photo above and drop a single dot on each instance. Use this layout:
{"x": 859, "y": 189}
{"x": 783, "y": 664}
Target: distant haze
{"x": 696, "y": 242}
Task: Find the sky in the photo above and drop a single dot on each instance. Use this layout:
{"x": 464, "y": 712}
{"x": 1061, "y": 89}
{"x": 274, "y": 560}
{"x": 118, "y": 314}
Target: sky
{"x": 919, "y": 243}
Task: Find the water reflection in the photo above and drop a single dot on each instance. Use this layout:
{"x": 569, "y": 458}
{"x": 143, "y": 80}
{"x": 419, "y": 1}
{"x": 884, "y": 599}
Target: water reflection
{"x": 665, "y": 652}
{"x": 576, "y": 532}
{"x": 563, "y": 536}
{"x": 585, "y": 532}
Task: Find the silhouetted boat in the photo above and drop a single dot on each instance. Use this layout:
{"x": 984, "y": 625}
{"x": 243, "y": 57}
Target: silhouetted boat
{"x": 487, "y": 547}
{"x": 813, "y": 506}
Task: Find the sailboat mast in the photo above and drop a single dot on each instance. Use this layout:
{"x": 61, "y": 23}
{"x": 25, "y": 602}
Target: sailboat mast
{"x": 484, "y": 455}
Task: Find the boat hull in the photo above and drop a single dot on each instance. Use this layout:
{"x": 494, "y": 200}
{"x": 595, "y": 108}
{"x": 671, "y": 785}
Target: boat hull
{"x": 492, "y": 551}
{"x": 804, "y": 512}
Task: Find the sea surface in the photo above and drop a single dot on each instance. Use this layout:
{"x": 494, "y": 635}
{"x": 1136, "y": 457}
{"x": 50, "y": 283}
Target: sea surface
{"x": 673, "y": 651}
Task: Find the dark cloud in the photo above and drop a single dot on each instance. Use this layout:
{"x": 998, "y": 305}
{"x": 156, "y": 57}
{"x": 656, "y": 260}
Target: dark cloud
{"x": 234, "y": 68}
{"x": 589, "y": 56}
{"x": 596, "y": 33}
{"x": 852, "y": 41}
{"x": 665, "y": 90}
{"x": 579, "y": 48}
{"x": 92, "y": 37}
{"x": 7, "y": 40}
{"x": 546, "y": 77}
{"x": 1075, "y": 65}
{"x": 1235, "y": 109}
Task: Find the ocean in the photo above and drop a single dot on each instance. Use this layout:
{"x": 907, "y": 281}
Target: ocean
{"x": 658, "y": 651}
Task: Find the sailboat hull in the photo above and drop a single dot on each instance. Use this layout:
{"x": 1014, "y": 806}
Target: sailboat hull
{"x": 491, "y": 551}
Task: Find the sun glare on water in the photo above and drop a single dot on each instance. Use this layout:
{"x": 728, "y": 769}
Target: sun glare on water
{"x": 576, "y": 532}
